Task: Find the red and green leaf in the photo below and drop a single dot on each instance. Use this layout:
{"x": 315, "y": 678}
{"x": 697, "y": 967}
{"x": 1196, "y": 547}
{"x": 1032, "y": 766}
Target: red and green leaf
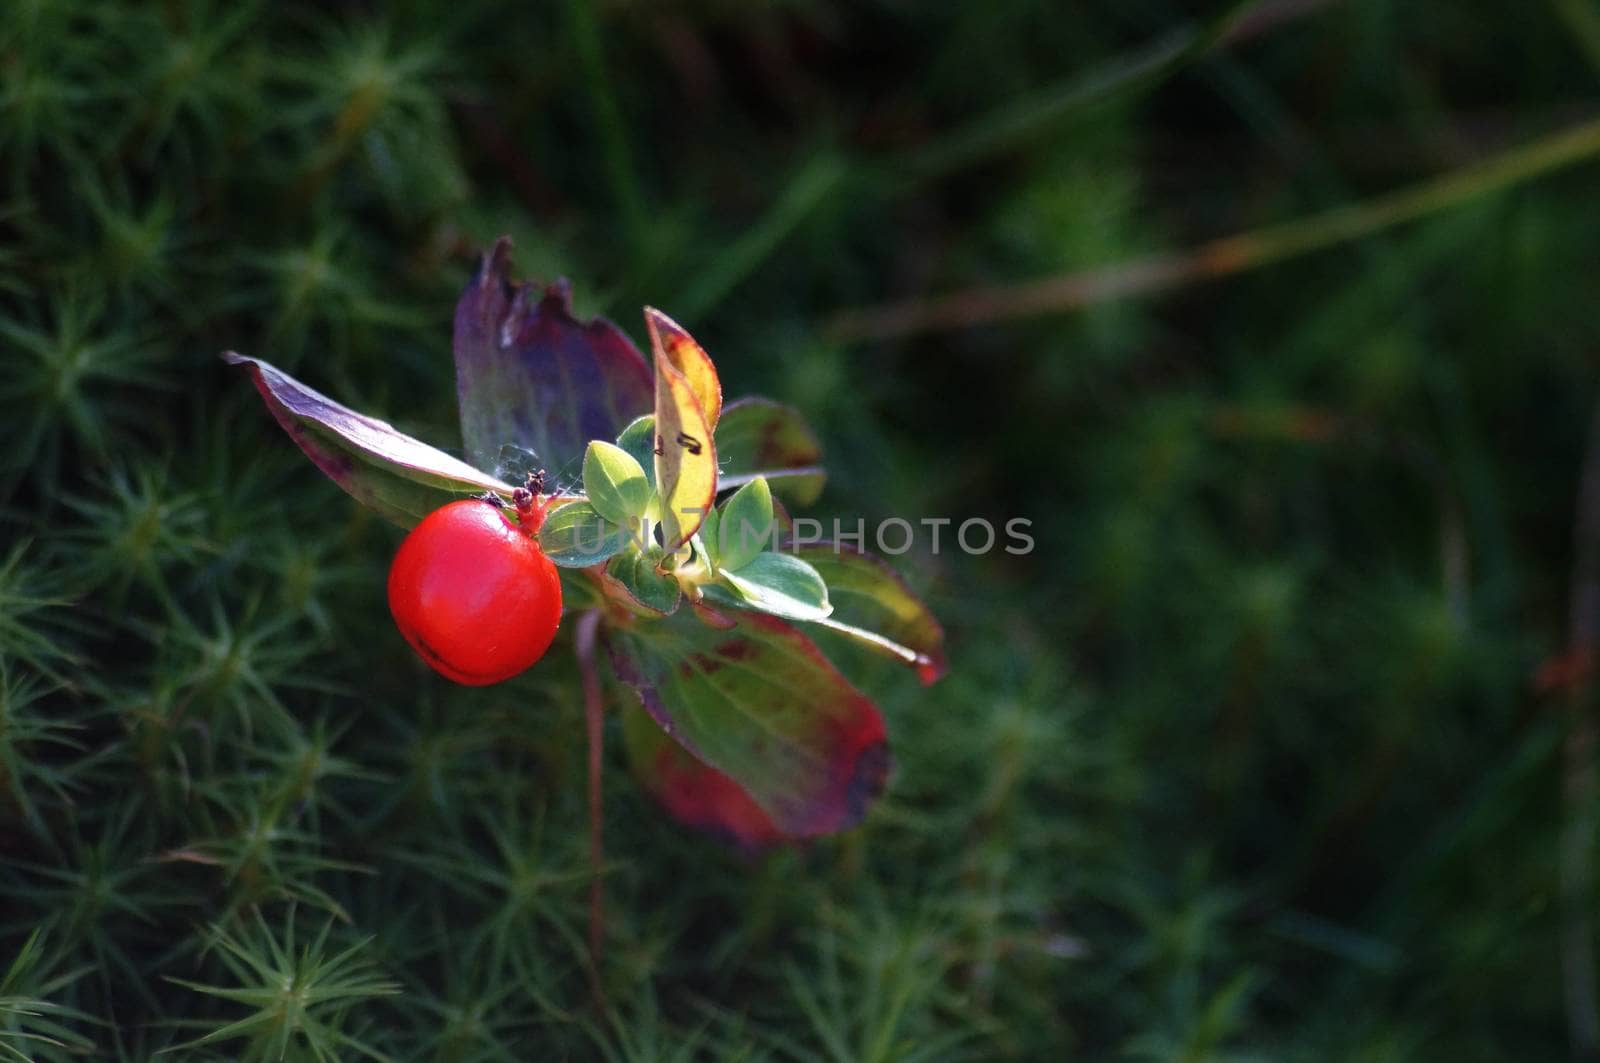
{"x": 759, "y": 703}
{"x": 873, "y": 606}
{"x": 529, "y": 372}
{"x": 669, "y": 340}
{"x": 402, "y": 478}
{"x": 759, "y": 437}
{"x": 685, "y": 452}
{"x": 694, "y": 794}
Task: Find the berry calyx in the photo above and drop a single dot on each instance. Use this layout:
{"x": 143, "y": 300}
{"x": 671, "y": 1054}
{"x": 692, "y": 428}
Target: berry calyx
{"x": 473, "y": 593}
{"x": 530, "y": 502}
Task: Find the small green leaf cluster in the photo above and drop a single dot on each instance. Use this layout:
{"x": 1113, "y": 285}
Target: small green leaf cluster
{"x": 30, "y": 1022}
{"x": 296, "y": 999}
{"x": 734, "y": 559}
{"x": 741, "y": 547}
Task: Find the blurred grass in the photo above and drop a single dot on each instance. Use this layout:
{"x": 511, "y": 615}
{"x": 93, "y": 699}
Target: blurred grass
{"x": 1246, "y": 761}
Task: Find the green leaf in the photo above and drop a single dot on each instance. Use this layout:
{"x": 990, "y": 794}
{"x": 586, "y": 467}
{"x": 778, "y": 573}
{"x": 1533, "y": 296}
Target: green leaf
{"x": 759, "y": 437}
{"x": 873, "y": 606}
{"x": 630, "y": 579}
{"x": 575, "y": 536}
{"x": 745, "y": 526}
{"x": 639, "y": 440}
{"x": 760, "y": 704}
{"x": 783, "y": 585}
{"x": 614, "y": 482}
{"x": 401, "y": 478}
{"x": 709, "y": 536}
{"x": 529, "y": 372}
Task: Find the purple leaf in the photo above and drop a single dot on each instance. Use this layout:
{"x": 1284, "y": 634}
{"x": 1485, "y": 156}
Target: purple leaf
{"x": 530, "y": 373}
{"x": 402, "y": 478}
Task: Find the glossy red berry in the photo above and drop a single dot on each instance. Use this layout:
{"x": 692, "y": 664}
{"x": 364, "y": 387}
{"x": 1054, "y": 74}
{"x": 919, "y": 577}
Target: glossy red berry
{"x": 473, "y": 593}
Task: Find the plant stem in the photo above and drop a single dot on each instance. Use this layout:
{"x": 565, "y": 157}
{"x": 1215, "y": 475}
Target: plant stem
{"x": 1579, "y": 783}
{"x": 594, "y": 721}
{"x": 1219, "y": 258}
{"x": 1582, "y": 20}
{"x": 1124, "y": 76}
{"x": 587, "y": 42}
{"x": 827, "y": 176}
{"x": 816, "y": 180}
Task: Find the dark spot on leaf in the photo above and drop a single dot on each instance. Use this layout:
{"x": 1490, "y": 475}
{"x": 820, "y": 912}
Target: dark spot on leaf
{"x": 736, "y": 650}
{"x": 769, "y": 446}
{"x": 869, "y": 777}
{"x": 698, "y": 664}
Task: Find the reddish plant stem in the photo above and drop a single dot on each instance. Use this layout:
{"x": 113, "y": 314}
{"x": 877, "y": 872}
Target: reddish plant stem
{"x": 594, "y": 721}
{"x": 1580, "y": 783}
{"x": 1222, "y": 257}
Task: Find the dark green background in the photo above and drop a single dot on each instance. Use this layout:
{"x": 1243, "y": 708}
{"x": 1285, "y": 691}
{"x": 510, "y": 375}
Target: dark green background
{"x": 1246, "y": 761}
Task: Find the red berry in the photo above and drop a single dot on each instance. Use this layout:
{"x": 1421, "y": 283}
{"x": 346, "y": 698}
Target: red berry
{"x": 473, "y": 594}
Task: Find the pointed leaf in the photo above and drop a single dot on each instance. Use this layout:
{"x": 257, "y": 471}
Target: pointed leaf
{"x": 614, "y": 482}
{"x": 575, "y": 536}
{"x": 528, "y": 372}
{"x": 695, "y": 794}
{"x": 873, "y": 606}
{"x": 630, "y": 579}
{"x": 669, "y": 340}
{"x": 783, "y": 585}
{"x": 685, "y": 456}
{"x": 761, "y": 704}
{"x": 745, "y": 525}
{"x": 759, "y": 437}
{"x": 639, "y": 440}
{"x": 709, "y": 537}
{"x": 402, "y": 478}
